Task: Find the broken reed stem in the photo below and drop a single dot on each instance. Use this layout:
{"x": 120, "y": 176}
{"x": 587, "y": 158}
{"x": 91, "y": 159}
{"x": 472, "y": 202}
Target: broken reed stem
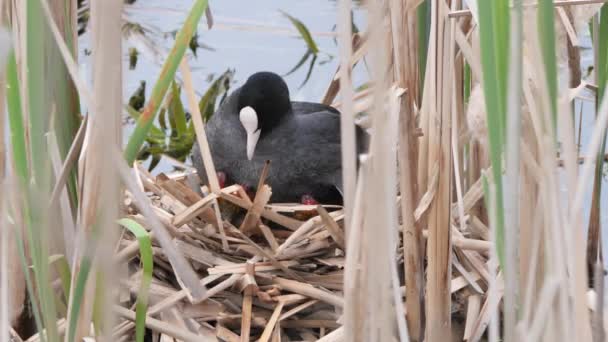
{"x": 262, "y": 196}
{"x": 353, "y": 311}
{"x": 405, "y": 57}
{"x": 272, "y": 322}
{"x": 201, "y": 138}
{"x": 309, "y": 291}
{"x": 438, "y": 304}
{"x": 380, "y": 216}
{"x": 181, "y": 267}
{"x": 334, "y": 230}
{"x": 199, "y": 127}
{"x": 67, "y": 218}
{"x": 580, "y": 275}
{"x": 247, "y": 302}
{"x": 159, "y": 326}
{"x": 347, "y": 117}
{"x": 100, "y": 187}
{"x": 69, "y": 161}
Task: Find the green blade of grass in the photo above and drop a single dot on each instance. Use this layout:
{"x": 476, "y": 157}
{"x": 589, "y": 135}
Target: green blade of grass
{"x": 132, "y": 112}
{"x": 493, "y": 26}
{"x": 601, "y": 44}
{"x": 36, "y": 95}
{"x": 61, "y": 88}
{"x": 176, "y": 110}
{"x": 309, "y": 72}
{"x": 77, "y": 295}
{"x": 423, "y": 22}
{"x": 161, "y": 120}
{"x": 602, "y": 73}
{"x": 145, "y": 252}
{"x": 299, "y": 64}
{"x": 155, "y": 131}
{"x": 501, "y": 16}
{"x": 304, "y": 33}
{"x": 17, "y": 127}
{"x": 167, "y": 75}
{"x": 20, "y": 162}
{"x": 38, "y": 114}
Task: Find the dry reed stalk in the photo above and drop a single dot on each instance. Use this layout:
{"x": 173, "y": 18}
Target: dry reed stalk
{"x": 531, "y": 241}
{"x": 559, "y": 236}
{"x": 438, "y": 88}
{"x": 200, "y": 128}
{"x": 285, "y": 221}
{"x": 353, "y": 311}
{"x": 160, "y": 326}
{"x": 458, "y": 120}
{"x": 68, "y": 163}
{"x": 468, "y": 53}
{"x": 72, "y": 67}
{"x": 247, "y": 301}
{"x": 263, "y": 253}
{"x": 380, "y": 216}
{"x": 201, "y": 137}
{"x": 575, "y": 218}
{"x": 599, "y": 334}
{"x": 580, "y": 16}
{"x": 359, "y": 50}
{"x": 512, "y": 177}
{"x": 347, "y": 117}
{"x": 406, "y": 69}
{"x": 181, "y": 267}
{"x": 194, "y": 210}
{"x": 226, "y": 334}
{"x": 271, "y": 323}
{"x": 473, "y": 309}
{"x": 332, "y": 227}
{"x": 262, "y": 196}
{"x": 100, "y": 187}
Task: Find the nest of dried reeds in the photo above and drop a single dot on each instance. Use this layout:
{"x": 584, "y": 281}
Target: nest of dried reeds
{"x": 270, "y": 271}
{"x": 278, "y": 271}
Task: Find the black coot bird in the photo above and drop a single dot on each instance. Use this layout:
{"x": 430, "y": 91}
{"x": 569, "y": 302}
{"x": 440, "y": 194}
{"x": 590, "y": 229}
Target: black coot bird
{"x": 259, "y": 122}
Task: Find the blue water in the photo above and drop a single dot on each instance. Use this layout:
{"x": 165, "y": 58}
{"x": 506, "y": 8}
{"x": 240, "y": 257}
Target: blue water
{"x": 247, "y": 36}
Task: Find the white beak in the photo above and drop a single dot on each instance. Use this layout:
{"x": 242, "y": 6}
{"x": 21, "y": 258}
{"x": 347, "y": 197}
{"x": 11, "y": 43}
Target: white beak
{"x": 249, "y": 120}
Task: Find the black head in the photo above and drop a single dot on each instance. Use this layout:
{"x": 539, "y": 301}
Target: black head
{"x": 268, "y": 95}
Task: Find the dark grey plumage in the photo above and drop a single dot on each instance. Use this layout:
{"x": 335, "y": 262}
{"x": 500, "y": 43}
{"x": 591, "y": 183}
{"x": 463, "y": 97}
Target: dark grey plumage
{"x": 301, "y": 139}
